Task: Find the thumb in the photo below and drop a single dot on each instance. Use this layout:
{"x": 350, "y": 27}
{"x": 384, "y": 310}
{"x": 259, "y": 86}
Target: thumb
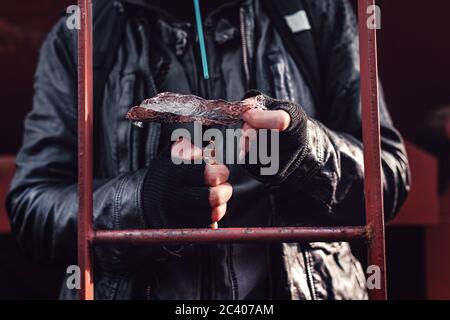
{"x": 184, "y": 149}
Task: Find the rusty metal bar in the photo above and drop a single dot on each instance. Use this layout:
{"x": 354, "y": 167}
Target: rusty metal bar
{"x": 371, "y": 141}
{"x": 85, "y": 151}
{"x": 177, "y": 236}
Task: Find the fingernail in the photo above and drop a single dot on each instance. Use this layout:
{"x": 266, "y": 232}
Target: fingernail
{"x": 241, "y": 154}
{"x": 214, "y": 225}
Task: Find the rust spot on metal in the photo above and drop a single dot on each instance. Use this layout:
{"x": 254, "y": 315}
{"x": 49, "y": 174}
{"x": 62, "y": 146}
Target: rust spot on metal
{"x": 177, "y": 236}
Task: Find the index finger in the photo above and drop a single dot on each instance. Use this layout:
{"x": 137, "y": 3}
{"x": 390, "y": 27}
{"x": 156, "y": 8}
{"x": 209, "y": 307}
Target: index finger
{"x": 267, "y": 119}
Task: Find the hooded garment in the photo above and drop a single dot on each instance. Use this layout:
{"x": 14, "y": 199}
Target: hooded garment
{"x": 157, "y": 47}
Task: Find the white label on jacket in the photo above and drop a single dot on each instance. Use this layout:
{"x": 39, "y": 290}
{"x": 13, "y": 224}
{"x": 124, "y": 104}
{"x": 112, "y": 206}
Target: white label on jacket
{"x": 298, "y": 21}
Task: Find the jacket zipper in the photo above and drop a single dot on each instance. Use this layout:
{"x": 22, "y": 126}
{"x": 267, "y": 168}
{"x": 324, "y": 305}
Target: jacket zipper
{"x": 233, "y": 277}
{"x": 308, "y": 270}
{"x": 244, "y": 43}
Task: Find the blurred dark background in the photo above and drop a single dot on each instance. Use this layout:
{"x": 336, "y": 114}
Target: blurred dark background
{"x": 415, "y": 70}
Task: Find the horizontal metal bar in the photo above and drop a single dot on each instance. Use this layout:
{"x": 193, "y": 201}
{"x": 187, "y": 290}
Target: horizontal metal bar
{"x": 281, "y": 234}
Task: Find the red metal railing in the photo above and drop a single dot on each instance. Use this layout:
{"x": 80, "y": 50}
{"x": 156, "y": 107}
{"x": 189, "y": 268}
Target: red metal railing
{"x": 373, "y": 232}
{"x": 85, "y": 145}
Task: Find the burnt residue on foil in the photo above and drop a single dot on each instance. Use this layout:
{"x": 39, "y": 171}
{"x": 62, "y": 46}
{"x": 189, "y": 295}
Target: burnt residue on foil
{"x": 170, "y": 107}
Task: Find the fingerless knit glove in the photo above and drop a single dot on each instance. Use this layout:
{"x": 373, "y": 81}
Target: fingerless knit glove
{"x": 292, "y": 141}
{"x": 175, "y": 196}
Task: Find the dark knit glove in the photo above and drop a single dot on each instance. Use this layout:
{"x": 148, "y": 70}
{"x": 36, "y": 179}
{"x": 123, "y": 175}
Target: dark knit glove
{"x": 176, "y": 196}
{"x": 292, "y": 141}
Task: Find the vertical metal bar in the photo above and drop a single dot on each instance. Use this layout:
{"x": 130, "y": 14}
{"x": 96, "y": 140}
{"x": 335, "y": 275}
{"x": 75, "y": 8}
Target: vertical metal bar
{"x": 85, "y": 151}
{"x": 371, "y": 140}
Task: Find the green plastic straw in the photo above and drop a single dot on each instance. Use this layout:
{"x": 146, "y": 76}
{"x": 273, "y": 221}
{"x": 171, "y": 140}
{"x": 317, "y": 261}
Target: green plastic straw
{"x": 201, "y": 39}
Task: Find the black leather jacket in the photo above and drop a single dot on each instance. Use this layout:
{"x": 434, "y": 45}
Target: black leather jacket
{"x": 42, "y": 202}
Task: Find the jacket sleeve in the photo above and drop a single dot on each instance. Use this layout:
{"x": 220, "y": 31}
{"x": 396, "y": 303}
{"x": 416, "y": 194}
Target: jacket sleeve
{"x": 331, "y": 176}
{"x": 42, "y": 202}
